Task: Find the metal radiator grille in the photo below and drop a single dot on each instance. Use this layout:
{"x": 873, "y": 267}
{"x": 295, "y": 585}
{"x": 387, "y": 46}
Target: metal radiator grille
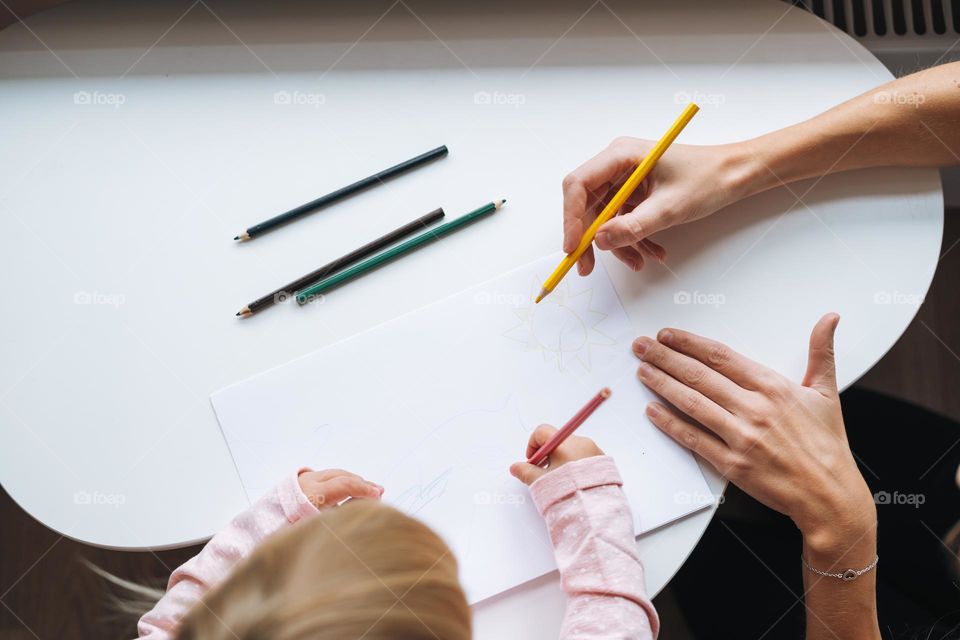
{"x": 891, "y": 20}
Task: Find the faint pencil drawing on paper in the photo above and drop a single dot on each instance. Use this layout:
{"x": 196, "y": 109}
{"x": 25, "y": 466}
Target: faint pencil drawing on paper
{"x": 564, "y": 327}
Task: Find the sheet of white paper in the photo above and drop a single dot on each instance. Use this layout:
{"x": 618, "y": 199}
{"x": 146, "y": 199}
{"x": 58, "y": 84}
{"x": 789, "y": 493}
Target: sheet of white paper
{"x": 436, "y": 404}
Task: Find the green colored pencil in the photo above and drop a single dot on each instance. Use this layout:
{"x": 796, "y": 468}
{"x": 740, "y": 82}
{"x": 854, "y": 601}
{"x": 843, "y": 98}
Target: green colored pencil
{"x": 426, "y": 237}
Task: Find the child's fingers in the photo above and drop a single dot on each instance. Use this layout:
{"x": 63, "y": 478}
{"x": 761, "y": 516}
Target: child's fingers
{"x": 340, "y": 488}
{"x": 526, "y": 472}
{"x": 575, "y": 448}
{"x": 329, "y": 474}
{"x": 540, "y": 435}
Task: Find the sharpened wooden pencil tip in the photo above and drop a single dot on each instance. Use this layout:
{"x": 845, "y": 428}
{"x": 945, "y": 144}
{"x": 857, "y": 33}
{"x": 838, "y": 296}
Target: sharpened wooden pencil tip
{"x": 243, "y": 313}
{"x": 543, "y": 294}
{"x": 243, "y": 237}
{"x": 605, "y": 392}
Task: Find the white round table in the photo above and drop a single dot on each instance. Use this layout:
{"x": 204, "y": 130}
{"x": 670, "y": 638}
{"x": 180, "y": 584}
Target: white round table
{"x": 157, "y": 131}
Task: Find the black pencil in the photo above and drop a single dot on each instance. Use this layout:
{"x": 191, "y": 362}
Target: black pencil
{"x": 284, "y": 292}
{"x": 343, "y": 192}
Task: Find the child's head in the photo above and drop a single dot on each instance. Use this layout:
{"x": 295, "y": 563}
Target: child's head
{"x": 359, "y": 570}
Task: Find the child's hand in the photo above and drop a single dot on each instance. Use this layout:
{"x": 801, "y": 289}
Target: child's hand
{"x": 330, "y": 487}
{"x": 573, "y": 448}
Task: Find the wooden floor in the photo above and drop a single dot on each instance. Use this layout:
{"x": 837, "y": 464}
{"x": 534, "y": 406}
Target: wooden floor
{"x": 47, "y": 593}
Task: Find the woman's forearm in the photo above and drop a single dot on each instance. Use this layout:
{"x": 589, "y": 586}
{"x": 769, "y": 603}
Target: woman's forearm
{"x": 908, "y": 122}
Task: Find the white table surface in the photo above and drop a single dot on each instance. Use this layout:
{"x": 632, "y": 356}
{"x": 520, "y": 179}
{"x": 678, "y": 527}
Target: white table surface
{"x": 119, "y": 204}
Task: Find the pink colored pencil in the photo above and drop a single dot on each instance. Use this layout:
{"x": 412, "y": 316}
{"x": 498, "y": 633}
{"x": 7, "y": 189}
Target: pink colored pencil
{"x": 567, "y": 430}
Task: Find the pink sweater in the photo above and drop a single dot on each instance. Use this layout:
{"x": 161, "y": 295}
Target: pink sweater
{"x": 587, "y": 515}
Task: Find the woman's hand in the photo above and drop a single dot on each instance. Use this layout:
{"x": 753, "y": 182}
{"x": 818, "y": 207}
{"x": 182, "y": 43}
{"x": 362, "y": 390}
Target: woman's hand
{"x": 781, "y": 442}
{"x": 573, "y": 448}
{"x": 330, "y": 487}
{"x": 688, "y": 183}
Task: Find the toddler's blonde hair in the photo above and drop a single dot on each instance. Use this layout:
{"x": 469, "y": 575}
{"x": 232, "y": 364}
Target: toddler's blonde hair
{"x": 361, "y": 570}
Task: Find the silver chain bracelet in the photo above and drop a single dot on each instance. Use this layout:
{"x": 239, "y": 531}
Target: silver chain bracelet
{"x": 846, "y": 576}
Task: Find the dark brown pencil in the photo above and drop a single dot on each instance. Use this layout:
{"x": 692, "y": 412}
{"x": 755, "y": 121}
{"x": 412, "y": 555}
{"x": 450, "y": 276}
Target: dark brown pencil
{"x": 286, "y": 291}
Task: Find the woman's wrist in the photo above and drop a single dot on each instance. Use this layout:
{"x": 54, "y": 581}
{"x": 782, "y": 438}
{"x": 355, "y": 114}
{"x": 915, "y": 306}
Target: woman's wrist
{"x": 745, "y": 171}
{"x": 777, "y": 158}
{"x": 842, "y": 529}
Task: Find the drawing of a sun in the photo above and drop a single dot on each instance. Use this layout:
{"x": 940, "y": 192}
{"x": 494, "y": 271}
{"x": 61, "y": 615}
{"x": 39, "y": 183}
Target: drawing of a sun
{"x": 563, "y": 327}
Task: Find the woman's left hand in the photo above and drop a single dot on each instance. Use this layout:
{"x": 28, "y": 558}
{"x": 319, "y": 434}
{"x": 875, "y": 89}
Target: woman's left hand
{"x": 781, "y": 442}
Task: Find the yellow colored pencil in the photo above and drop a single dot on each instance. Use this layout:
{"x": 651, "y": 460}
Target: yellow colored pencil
{"x": 638, "y": 176}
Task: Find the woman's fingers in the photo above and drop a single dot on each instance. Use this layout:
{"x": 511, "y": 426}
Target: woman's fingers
{"x": 653, "y": 250}
{"x": 630, "y": 256}
{"x": 689, "y": 401}
{"x": 719, "y": 357}
{"x": 588, "y": 188}
{"x": 586, "y": 262}
{"x": 646, "y": 219}
{"x": 703, "y": 443}
{"x": 821, "y": 365}
{"x": 691, "y": 373}
{"x": 584, "y": 185}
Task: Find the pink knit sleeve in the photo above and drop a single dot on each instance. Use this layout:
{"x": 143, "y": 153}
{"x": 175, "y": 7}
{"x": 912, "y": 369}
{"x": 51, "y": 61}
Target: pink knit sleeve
{"x": 591, "y": 528}
{"x": 283, "y": 505}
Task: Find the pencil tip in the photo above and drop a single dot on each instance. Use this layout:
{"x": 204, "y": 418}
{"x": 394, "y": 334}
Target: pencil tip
{"x": 236, "y": 237}
{"x": 543, "y": 294}
{"x": 605, "y": 392}
{"x": 243, "y": 237}
{"x": 244, "y": 312}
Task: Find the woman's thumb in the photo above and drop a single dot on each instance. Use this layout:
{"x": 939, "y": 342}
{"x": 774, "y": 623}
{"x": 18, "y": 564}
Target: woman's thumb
{"x": 821, "y": 365}
{"x": 631, "y": 228}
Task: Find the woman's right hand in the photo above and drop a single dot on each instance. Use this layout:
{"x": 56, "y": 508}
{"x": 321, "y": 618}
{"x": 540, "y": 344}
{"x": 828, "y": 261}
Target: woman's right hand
{"x": 688, "y": 183}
